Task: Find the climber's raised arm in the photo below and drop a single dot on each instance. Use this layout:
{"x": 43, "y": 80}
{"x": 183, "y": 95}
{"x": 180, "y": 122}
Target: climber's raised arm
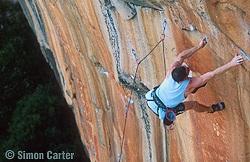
{"x": 185, "y": 54}
{"x": 198, "y": 81}
{"x": 189, "y": 52}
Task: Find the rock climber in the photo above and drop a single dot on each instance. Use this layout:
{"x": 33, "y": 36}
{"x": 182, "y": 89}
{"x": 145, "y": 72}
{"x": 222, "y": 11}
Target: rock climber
{"x": 166, "y": 99}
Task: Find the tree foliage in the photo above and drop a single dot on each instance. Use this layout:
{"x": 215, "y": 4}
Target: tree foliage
{"x": 33, "y": 114}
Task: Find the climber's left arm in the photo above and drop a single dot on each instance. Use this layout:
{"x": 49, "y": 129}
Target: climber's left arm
{"x": 189, "y": 52}
{"x": 185, "y": 54}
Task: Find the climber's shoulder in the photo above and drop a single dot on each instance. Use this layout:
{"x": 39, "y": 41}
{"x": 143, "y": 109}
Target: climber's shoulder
{"x": 195, "y": 82}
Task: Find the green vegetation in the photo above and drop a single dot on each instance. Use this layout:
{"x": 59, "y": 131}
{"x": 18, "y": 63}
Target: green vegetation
{"x": 34, "y": 116}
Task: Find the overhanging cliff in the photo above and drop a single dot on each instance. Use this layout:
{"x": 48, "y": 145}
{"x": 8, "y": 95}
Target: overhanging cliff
{"x": 93, "y": 45}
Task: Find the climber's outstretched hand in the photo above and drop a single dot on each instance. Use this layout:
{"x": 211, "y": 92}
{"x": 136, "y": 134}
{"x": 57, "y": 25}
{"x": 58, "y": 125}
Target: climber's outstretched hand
{"x": 237, "y": 60}
{"x": 203, "y": 43}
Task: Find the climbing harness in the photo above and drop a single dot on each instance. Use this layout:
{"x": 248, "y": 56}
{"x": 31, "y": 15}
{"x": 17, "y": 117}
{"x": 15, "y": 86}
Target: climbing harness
{"x": 157, "y": 100}
{"x": 170, "y": 113}
{"x": 137, "y": 67}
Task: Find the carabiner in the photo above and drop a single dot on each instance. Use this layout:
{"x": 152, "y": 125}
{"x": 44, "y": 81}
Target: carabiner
{"x": 162, "y": 37}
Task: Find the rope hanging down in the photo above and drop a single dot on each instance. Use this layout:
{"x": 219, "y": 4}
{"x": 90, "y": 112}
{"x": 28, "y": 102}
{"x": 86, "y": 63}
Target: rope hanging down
{"x": 137, "y": 67}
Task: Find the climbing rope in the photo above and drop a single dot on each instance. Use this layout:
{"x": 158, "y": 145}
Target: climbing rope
{"x": 137, "y": 67}
{"x": 163, "y": 53}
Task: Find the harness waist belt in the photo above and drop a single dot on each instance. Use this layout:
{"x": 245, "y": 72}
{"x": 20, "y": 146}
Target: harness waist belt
{"x": 157, "y": 100}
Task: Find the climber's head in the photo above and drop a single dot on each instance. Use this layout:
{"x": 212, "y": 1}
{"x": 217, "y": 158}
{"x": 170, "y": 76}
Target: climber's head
{"x": 180, "y": 73}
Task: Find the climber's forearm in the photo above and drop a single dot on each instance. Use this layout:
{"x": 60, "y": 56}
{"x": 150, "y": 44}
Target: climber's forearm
{"x": 189, "y": 52}
{"x": 222, "y": 69}
{"x": 212, "y": 74}
{"x": 237, "y": 60}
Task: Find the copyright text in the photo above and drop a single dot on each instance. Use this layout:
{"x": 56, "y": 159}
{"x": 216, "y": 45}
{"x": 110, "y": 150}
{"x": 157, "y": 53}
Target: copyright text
{"x": 50, "y": 155}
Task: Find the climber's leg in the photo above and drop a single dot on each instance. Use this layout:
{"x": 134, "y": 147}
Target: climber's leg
{"x": 194, "y": 105}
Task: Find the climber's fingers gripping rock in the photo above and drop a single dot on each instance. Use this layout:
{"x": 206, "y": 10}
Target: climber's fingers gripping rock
{"x": 203, "y": 43}
{"x": 237, "y": 60}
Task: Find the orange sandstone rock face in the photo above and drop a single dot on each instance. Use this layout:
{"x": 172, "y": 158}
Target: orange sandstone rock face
{"x": 93, "y": 45}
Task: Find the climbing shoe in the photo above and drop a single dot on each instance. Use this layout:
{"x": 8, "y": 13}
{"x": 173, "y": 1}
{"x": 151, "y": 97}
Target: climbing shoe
{"x": 218, "y": 107}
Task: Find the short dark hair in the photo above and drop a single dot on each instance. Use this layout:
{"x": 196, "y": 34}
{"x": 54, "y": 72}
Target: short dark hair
{"x": 179, "y": 73}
